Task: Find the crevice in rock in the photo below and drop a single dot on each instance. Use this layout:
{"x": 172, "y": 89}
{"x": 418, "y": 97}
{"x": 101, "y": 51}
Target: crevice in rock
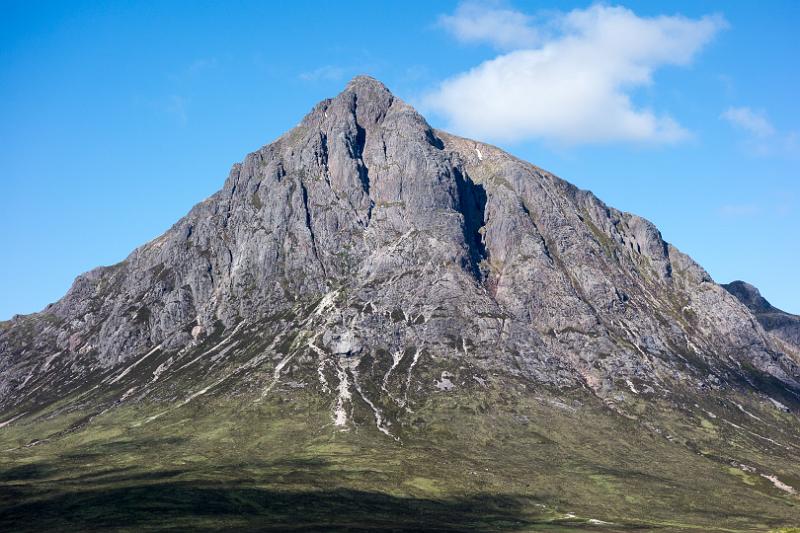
{"x": 358, "y": 152}
{"x": 433, "y": 140}
{"x": 472, "y": 205}
{"x": 210, "y": 271}
{"x": 309, "y": 225}
{"x": 323, "y": 157}
{"x": 357, "y": 146}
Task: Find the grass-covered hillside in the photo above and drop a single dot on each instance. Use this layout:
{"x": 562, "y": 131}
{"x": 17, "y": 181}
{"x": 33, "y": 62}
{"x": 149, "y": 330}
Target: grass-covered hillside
{"x": 485, "y": 457}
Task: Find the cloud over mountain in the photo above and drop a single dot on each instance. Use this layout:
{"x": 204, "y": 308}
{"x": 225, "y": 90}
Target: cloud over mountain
{"x": 571, "y": 78}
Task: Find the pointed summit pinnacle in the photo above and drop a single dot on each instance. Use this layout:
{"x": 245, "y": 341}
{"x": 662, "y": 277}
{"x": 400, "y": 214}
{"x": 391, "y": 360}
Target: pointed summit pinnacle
{"x": 362, "y": 82}
{"x": 370, "y": 99}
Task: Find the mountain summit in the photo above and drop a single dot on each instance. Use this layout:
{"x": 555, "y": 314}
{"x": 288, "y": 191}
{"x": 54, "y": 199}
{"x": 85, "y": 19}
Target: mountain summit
{"x": 367, "y": 284}
{"x": 783, "y": 325}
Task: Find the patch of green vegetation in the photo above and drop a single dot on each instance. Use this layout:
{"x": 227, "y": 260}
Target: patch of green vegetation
{"x": 600, "y": 236}
{"x": 745, "y": 477}
{"x": 382, "y": 204}
{"x": 504, "y": 455}
{"x": 705, "y": 424}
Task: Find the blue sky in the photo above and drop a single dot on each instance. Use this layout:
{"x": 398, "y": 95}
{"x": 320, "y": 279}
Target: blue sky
{"x": 118, "y": 117}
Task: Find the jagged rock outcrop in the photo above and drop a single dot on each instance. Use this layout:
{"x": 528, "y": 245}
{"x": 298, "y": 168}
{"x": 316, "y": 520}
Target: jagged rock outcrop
{"x": 364, "y": 244}
{"x": 785, "y": 326}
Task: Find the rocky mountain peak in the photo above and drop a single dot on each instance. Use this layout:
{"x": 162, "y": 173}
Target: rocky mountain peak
{"x": 748, "y": 295}
{"x": 369, "y": 90}
{"x": 784, "y": 326}
{"x": 367, "y": 99}
{"x": 363, "y": 243}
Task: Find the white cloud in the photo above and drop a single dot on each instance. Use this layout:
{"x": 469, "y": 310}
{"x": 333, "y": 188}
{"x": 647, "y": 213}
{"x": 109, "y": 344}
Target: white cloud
{"x": 749, "y": 120}
{"x": 575, "y": 86}
{"x": 503, "y": 28}
{"x": 324, "y": 73}
{"x": 762, "y": 138}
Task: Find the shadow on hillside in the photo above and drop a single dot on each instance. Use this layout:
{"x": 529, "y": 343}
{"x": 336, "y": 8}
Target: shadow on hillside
{"x": 767, "y": 384}
{"x": 198, "y": 506}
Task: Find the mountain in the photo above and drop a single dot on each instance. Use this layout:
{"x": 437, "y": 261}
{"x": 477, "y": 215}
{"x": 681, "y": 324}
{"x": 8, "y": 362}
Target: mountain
{"x": 375, "y": 324}
{"x": 783, "y": 325}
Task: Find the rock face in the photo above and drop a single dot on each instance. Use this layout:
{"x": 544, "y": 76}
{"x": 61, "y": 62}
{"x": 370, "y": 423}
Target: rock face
{"x": 363, "y": 246}
{"x": 785, "y": 326}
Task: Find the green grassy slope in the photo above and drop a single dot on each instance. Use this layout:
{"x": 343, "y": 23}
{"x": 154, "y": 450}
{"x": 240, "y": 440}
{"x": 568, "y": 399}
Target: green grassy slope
{"x": 511, "y": 457}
